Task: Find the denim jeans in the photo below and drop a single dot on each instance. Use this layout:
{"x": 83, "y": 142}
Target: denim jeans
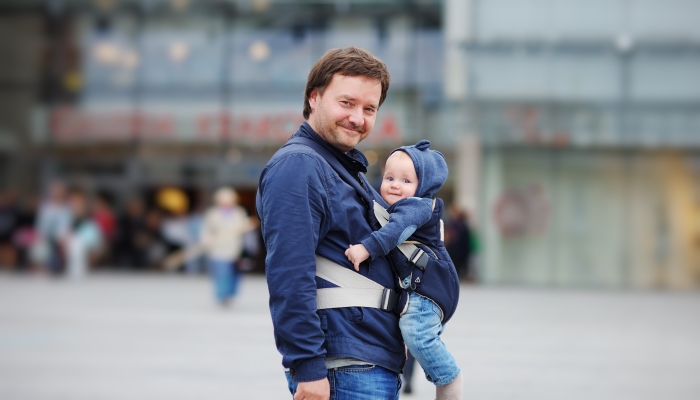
{"x": 359, "y": 382}
{"x": 421, "y": 329}
{"x": 226, "y": 279}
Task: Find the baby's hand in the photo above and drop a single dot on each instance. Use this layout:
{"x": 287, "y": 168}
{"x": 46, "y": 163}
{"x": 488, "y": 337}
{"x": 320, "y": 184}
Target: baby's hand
{"x": 356, "y": 253}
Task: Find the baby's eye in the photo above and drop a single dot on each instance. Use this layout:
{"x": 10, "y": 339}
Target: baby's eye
{"x": 390, "y": 179}
{"x": 406, "y": 181}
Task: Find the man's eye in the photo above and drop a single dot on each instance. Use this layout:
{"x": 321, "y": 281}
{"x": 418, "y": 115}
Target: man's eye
{"x": 370, "y": 110}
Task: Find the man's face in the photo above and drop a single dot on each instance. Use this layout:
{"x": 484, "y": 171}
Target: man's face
{"x": 345, "y": 113}
{"x": 400, "y": 179}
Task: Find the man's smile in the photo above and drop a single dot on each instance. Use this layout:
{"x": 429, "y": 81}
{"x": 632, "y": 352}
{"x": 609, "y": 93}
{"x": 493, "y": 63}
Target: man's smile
{"x": 354, "y": 130}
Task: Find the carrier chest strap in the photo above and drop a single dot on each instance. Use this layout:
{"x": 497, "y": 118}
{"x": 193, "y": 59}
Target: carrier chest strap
{"x": 354, "y": 290}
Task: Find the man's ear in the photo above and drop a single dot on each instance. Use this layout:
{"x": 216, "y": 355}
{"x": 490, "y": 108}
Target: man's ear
{"x": 313, "y": 99}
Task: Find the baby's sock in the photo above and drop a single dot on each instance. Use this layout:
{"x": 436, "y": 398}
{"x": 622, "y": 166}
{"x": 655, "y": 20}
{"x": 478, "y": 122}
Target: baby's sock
{"x": 451, "y": 391}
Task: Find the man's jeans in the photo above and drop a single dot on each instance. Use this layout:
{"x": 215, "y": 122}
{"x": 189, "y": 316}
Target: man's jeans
{"x": 421, "y": 329}
{"x": 359, "y": 382}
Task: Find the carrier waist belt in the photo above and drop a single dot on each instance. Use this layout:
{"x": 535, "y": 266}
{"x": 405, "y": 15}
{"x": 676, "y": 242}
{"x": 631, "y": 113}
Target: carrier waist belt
{"x": 354, "y": 290}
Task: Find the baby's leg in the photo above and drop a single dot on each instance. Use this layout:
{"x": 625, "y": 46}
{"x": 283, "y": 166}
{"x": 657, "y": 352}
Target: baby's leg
{"x": 421, "y": 328}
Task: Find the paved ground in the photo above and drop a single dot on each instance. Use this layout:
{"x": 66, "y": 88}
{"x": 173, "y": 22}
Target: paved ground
{"x": 160, "y": 337}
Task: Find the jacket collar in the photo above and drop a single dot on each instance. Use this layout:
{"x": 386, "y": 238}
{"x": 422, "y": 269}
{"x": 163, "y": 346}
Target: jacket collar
{"x": 353, "y": 160}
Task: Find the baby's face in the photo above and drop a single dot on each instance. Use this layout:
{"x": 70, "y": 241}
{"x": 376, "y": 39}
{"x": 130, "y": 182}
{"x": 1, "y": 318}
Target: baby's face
{"x": 400, "y": 179}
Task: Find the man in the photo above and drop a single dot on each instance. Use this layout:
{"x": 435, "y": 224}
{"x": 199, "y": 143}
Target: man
{"x": 307, "y": 209}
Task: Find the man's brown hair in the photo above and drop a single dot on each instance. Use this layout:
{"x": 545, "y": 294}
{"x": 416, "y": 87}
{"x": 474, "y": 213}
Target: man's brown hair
{"x": 349, "y": 61}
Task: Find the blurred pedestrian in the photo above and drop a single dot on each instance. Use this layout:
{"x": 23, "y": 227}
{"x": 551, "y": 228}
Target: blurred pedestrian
{"x": 25, "y": 235}
{"x": 458, "y": 241}
{"x": 130, "y": 236}
{"x": 104, "y": 217}
{"x": 251, "y": 247}
{"x": 223, "y": 230}
{"x": 9, "y": 221}
{"x": 408, "y": 368}
{"x": 52, "y": 224}
{"x": 175, "y": 231}
{"x": 152, "y": 241}
{"x": 83, "y": 238}
{"x": 194, "y": 261}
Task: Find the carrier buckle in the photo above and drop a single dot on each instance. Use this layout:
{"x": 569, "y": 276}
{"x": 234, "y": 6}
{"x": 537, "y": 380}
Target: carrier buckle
{"x": 419, "y": 258}
{"x": 390, "y": 299}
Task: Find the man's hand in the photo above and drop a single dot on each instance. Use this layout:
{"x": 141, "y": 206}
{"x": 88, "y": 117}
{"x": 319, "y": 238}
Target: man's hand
{"x": 314, "y": 390}
{"x": 356, "y": 253}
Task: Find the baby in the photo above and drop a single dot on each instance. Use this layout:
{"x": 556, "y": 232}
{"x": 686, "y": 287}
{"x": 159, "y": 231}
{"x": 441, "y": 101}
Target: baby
{"x": 412, "y": 175}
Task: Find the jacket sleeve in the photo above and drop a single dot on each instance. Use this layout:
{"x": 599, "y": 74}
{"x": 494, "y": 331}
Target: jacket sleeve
{"x": 406, "y": 216}
{"x": 292, "y": 203}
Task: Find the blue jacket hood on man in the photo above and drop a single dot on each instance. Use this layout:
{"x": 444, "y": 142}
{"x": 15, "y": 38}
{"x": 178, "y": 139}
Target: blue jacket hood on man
{"x": 430, "y": 165}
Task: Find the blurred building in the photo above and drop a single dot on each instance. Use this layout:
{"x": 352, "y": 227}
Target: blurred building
{"x": 588, "y": 116}
{"x": 572, "y": 128}
{"x": 137, "y": 94}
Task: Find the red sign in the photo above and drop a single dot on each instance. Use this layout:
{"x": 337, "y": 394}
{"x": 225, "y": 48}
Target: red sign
{"x": 522, "y": 211}
{"x": 73, "y": 125}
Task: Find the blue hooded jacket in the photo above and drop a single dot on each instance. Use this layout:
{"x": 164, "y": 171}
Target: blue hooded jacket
{"x": 306, "y": 209}
{"x": 409, "y": 214}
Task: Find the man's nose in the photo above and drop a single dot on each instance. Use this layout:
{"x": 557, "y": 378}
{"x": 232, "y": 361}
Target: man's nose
{"x": 356, "y": 117}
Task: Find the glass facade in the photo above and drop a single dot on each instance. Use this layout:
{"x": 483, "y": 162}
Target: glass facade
{"x": 588, "y": 117}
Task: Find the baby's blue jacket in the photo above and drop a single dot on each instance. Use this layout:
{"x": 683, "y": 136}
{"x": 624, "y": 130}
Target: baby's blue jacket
{"x": 405, "y": 216}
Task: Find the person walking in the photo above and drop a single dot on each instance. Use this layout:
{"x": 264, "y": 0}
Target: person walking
{"x": 458, "y": 239}
{"x": 131, "y": 238}
{"x": 9, "y": 222}
{"x": 407, "y": 376}
{"x": 222, "y": 234}
{"x": 313, "y": 201}
{"x": 53, "y": 222}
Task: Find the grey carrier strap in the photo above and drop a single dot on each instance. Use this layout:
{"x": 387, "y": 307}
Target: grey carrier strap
{"x": 354, "y": 290}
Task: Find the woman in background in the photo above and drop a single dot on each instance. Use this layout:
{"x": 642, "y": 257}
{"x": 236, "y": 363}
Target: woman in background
{"x": 223, "y": 230}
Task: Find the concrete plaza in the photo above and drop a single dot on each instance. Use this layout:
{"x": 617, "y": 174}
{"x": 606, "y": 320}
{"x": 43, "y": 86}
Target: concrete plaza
{"x": 162, "y": 337}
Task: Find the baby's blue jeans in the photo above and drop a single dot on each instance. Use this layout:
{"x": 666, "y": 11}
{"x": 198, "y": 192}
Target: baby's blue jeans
{"x": 421, "y": 327}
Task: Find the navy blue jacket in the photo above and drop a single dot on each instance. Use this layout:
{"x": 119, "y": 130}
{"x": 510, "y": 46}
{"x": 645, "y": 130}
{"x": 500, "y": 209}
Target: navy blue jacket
{"x": 305, "y": 209}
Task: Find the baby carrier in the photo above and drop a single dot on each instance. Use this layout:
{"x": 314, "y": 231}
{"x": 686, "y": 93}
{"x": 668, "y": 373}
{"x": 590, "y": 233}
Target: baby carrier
{"x": 424, "y": 259}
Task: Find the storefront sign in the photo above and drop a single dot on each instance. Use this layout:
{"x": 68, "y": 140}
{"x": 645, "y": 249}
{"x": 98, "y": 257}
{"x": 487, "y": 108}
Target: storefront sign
{"x": 69, "y": 125}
